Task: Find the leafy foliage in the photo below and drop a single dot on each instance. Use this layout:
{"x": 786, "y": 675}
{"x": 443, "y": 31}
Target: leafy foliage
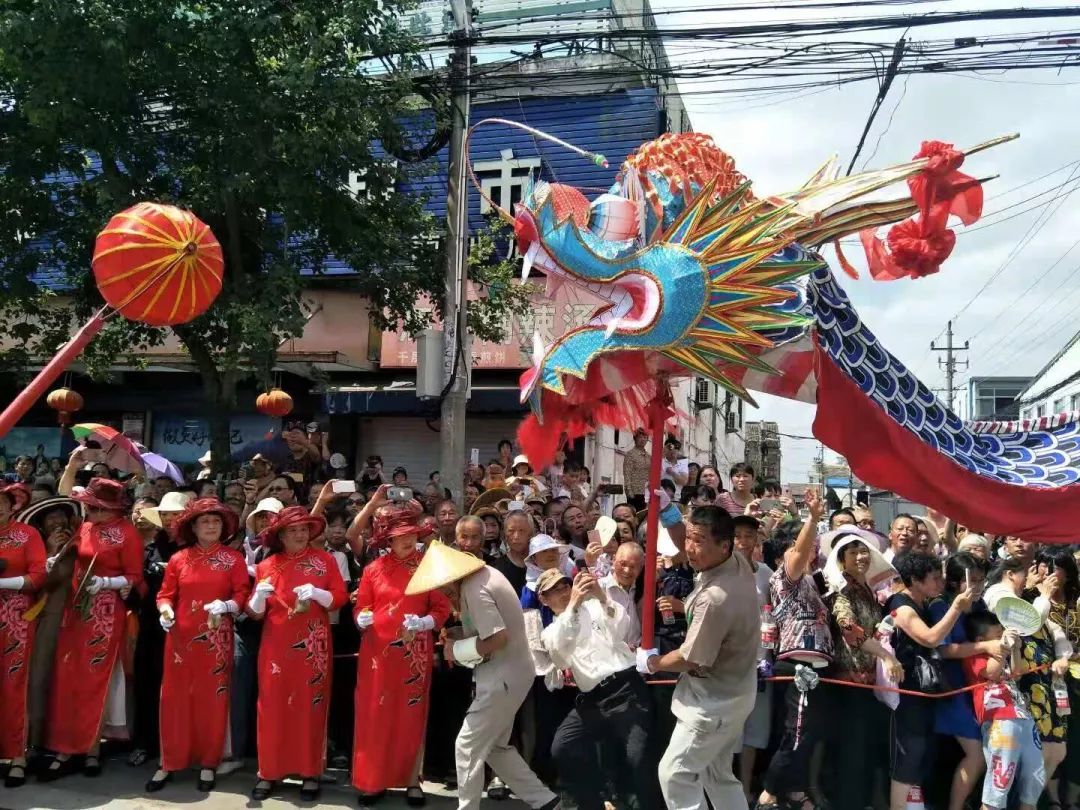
{"x": 251, "y": 113}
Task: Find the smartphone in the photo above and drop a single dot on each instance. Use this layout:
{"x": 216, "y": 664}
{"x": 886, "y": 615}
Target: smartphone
{"x": 344, "y": 485}
{"x": 593, "y": 536}
{"x": 967, "y": 578}
{"x": 768, "y": 504}
{"x": 399, "y": 494}
{"x": 474, "y": 456}
{"x": 312, "y": 427}
{"x": 247, "y": 472}
{"x": 611, "y": 489}
{"x": 581, "y": 565}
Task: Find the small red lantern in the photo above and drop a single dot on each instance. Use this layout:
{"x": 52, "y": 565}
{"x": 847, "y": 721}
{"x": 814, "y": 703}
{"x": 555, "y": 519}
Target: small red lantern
{"x": 158, "y": 264}
{"x": 66, "y": 402}
{"x": 274, "y": 402}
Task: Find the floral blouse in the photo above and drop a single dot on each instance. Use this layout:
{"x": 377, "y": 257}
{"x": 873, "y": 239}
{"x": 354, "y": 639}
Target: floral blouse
{"x": 1067, "y": 617}
{"x": 855, "y": 615}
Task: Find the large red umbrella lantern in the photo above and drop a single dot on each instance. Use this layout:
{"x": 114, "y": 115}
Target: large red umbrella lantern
{"x": 153, "y": 263}
{"x": 158, "y": 264}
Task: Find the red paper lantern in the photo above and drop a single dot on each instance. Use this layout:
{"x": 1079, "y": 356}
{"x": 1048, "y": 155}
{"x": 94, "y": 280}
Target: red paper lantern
{"x": 274, "y": 402}
{"x": 158, "y": 264}
{"x": 66, "y": 402}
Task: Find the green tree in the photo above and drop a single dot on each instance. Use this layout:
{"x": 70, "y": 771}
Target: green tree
{"x": 251, "y": 113}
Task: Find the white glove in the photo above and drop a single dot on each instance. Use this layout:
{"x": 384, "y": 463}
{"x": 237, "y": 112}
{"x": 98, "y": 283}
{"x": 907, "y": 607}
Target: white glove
{"x": 365, "y": 619}
{"x": 418, "y": 624}
{"x": 95, "y": 585}
{"x": 309, "y": 593}
{"x": 50, "y": 562}
{"x": 257, "y": 603}
{"x": 220, "y": 608}
{"x": 643, "y": 657}
{"x": 12, "y": 583}
{"x": 166, "y": 617}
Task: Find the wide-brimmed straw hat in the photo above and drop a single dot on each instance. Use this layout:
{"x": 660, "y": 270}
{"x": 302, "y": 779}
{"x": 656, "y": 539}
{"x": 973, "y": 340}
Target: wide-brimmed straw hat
{"x": 34, "y": 514}
{"x": 490, "y": 497}
{"x": 397, "y": 520}
{"x": 440, "y": 566}
{"x": 104, "y": 493}
{"x": 292, "y": 516}
{"x": 19, "y": 494}
{"x": 184, "y": 528}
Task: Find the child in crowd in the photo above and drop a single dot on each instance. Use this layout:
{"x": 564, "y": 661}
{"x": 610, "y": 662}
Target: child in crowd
{"x": 1010, "y": 741}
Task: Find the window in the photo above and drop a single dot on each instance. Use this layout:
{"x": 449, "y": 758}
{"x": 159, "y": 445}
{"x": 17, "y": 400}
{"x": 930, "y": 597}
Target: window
{"x": 1040, "y": 409}
{"x": 1075, "y": 405}
{"x": 1061, "y": 405}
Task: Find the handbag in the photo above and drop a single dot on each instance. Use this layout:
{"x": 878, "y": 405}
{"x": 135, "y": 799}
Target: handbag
{"x": 927, "y": 673}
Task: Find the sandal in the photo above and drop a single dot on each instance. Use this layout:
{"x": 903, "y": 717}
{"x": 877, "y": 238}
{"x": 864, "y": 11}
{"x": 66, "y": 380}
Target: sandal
{"x": 138, "y": 757}
{"x": 16, "y": 776}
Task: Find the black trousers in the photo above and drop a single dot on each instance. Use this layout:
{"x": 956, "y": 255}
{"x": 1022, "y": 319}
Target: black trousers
{"x": 789, "y": 769}
{"x": 149, "y": 665}
{"x": 616, "y": 715}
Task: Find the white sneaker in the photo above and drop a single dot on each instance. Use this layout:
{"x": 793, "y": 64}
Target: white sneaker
{"x": 229, "y": 766}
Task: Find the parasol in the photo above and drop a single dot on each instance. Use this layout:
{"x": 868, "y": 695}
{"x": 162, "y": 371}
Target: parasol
{"x": 118, "y": 451}
{"x": 157, "y": 465}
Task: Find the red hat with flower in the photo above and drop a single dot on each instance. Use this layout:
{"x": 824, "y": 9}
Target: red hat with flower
{"x": 397, "y": 520}
{"x": 291, "y": 516}
{"x": 103, "y": 493}
{"x": 184, "y": 527}
{"x": 18, "y": 494}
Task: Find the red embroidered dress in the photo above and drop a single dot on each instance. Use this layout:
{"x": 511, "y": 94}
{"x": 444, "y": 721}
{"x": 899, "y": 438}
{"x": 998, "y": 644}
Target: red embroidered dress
{"x": 294, "y": 665}
{"x": 91, "y": 632}
{"x": 21, "y": 547}
{"x": 194, "y": 708}
{"x": 393, "y": 678}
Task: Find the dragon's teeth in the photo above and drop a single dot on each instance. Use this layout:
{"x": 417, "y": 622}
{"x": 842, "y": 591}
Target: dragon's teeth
{"x": 527, "y": 262}
{"x": 613, "y": 324}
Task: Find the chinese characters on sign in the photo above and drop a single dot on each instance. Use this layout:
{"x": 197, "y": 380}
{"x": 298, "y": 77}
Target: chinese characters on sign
{"x": 550, "y": 318}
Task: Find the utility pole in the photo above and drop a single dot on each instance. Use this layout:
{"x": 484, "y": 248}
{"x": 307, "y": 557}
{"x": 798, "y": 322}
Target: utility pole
{"x": 950, "y": 363}
{"x": 886, "y": 82}
{"x": 456, "y": 360}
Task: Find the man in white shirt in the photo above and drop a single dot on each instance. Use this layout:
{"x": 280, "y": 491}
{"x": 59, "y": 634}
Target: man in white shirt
{"x": 614, "y": 707}
{"x": 618, "y": 586}
{"x": 674, "y": 468}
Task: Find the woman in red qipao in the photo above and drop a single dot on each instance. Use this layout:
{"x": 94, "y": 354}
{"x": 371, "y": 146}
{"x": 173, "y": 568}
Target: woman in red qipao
{"x": 205, "y": 585}
{"x": 394, "y": 671}
{"x": 296, "y": 587}
{"x": 23, "y": 553}
{"x": 87, "y": 667}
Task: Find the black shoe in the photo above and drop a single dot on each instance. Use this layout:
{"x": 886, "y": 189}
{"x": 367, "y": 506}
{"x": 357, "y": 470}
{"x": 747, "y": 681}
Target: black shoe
{"x": 154, "y": 785}
{"x": 262, "y": 790}
{"x": 91, "y": 767}
{"x": 310, "y": 790}
{"x": 16, "y": 776}
{"x": 415, "y": 796}
{"x": 370, "y": 799}
{"x": 56, "y": 769}
{"x": 497, "y": 791}
{"x": 554, "y": 804}
{"x": 206, "y": 785}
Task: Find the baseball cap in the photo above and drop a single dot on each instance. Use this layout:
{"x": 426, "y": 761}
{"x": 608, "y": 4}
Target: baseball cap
{"x": 549, "y": 579}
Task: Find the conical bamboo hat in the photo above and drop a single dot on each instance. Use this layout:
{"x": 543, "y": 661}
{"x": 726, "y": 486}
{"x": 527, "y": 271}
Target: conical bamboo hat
{"x": 441, "y": 566}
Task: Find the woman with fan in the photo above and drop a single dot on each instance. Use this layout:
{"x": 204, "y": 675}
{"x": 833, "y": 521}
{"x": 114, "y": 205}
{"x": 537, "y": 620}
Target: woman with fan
{"x": 206, "y": 584}
{"x": 297, "y": 585}
{"x": 395, "y": 659}
{"x": 87, "y": 691}
{"x": 23, "y": 571}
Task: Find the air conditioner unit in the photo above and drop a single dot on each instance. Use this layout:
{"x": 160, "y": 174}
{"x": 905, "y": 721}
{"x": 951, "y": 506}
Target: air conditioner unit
{"x": 704, "y": 393}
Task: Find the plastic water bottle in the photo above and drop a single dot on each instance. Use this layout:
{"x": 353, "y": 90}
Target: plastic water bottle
{"x": 768, "y": 631}
{"x": 883, "y": 632}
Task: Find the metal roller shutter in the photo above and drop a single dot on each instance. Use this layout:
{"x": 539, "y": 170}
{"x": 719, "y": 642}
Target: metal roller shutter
{"x": 408, "y": 442}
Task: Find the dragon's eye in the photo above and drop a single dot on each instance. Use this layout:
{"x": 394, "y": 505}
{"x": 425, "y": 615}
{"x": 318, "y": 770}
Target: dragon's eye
{"x": 614, "y": 218}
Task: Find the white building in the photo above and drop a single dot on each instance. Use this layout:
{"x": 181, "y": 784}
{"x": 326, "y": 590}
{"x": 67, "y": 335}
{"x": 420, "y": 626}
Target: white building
{"x": 710, "y": 428}
{"x": 1056, "y": 388}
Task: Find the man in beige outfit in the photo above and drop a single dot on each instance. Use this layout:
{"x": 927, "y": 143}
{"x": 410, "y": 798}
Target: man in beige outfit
{"x": 495, "y": 647}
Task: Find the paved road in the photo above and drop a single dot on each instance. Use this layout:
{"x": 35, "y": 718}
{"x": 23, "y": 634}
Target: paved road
{"x": 120, "y": 787}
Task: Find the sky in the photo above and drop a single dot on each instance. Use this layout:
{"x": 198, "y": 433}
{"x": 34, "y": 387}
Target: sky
{"x": 1024, "y": 316}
